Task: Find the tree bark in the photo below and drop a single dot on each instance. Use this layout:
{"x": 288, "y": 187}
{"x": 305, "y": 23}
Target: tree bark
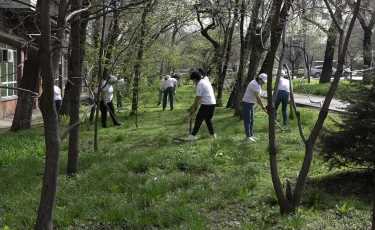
{"x": 76, "y": 61}
{"x": 25, "y": 103}
{"x": 226, "y": 55}
{"x": 51, "y": 128}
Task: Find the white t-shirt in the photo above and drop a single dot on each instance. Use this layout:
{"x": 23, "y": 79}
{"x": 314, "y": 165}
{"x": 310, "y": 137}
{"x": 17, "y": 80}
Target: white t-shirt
{"x": 206, "y": 92}
{"x": 108, "y": 93}
{"x": 284, "y": 84}
{"x": 252, "y": 87}
{"x": 170, "y": 82}
{"x": 57, "y": 93}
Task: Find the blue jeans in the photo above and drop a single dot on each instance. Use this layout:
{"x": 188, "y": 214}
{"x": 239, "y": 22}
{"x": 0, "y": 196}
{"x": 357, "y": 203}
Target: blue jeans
{"x": 283, "y": 98}
{"x": 248, "y": 118}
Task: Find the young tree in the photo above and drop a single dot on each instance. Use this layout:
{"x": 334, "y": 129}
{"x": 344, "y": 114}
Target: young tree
{"x": 290, "y": 200}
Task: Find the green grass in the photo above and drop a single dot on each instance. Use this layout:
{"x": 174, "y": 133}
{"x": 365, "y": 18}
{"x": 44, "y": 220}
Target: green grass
{"x": 314, "y": 88}
{"x": 142, "y": 178}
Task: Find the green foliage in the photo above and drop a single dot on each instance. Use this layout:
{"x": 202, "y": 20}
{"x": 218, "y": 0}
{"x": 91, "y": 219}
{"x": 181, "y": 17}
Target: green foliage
{"x": 351, "y": 141}
{"x": 142, "y": 178}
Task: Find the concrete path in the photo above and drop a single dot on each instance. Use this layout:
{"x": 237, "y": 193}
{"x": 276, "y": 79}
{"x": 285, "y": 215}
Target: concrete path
{"x": 6, "y": 122}
{"x": 316, "y": 102}
{"x": 300, "y": 99}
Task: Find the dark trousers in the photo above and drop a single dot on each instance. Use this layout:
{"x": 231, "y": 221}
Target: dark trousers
{"x": 205, "y": 113}
{"x": 168, "y": 92}
{"x": 104, "y": 109}
{"x": 58, "y": 106}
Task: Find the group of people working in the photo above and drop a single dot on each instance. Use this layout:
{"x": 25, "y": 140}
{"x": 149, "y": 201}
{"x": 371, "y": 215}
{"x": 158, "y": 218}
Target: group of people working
{"x": 206, "y": 98}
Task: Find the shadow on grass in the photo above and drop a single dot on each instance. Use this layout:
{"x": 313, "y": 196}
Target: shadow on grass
{"x": 350, "y": 184}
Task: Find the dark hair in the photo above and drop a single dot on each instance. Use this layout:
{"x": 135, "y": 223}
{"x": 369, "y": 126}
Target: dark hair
{"x": 195, "y": 76}
{"x": 201, "y": 71}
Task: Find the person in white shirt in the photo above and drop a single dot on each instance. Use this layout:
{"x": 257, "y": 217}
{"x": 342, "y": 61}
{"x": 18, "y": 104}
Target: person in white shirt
{"x": 205, "y": 96}
{"x": 106, "y": 96}
{"x": 252, "y": 96}
{"x": 283, "y": 96}
{"x": 57, "y": 99}
{"x": 170, "y": 85}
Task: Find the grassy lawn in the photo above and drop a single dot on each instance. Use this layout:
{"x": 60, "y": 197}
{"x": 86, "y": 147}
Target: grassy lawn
{"x": 314, "y": 88}
{"x": 142, "y": 178}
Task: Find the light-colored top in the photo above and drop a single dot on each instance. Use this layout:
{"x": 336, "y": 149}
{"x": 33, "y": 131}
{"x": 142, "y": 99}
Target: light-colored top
{"x": 57, "y": 93}
{"x": 108, "y": 93}
{"x": 170, "y": 82}
{"x": 284, "y": 85}
{"x": 206, "y": 92}
{"x": 252, "y": 87}
{"x": 206, "y": 78}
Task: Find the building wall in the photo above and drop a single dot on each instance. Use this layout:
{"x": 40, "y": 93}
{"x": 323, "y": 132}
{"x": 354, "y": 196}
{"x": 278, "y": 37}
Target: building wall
{"x": 8, "y": 105}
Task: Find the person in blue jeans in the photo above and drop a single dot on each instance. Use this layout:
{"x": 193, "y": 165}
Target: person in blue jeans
{"x": 252, "y": 96}
{"x": 170, "y": 85}
{"x": 283, "y": 96}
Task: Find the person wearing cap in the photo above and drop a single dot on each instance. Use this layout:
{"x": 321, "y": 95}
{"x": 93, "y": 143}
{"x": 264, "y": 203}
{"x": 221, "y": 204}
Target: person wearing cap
{"x": 283, "y": 96}
{"x": 205, "y": 96}
{"x": 170, "y": 85}
{"x": 106, "y": 96}
{"x": 252, "y": 96}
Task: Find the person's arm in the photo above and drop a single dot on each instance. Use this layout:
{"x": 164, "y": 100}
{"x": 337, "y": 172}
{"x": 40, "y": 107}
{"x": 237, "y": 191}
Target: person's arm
{"x": 194, "y": 106}
{"x": 259, "y": 100}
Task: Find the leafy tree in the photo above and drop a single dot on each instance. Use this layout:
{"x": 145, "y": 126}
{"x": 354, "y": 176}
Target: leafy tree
{"x": 352, "y": 143}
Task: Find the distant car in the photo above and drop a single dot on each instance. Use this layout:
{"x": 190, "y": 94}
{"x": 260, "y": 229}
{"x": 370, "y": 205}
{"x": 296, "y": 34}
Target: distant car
{"x": 316, "y": 71}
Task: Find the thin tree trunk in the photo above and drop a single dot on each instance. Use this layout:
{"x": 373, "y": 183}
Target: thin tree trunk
{"x": 138, "y": 65}
{"x": 51, "y": 128}
{"x": 278, "y": 26}
{"x": 73, "y": 150}
{"x": 310, "y": 142}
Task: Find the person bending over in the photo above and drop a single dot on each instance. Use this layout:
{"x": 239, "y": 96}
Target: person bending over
{"x": 205, "y": 96}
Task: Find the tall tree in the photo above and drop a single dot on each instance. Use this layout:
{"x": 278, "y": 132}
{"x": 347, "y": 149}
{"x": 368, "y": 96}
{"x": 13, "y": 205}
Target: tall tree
{"x": 51, "y": 128}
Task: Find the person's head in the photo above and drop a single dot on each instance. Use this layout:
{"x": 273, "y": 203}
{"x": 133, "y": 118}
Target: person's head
{"x": 262, "y": 78}
{"x": 195, "y": 77}
{"x": 166, "y": 77}
{"x": 201, "y": 71}
{"x": 112, "y": 80}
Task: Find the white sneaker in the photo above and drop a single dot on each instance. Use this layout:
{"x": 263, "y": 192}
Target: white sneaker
{"x": 213, "y": 136}
{"x": 255, "y": 138}
{"x": 250, "y": 139}
{"x": 191, "y": 138}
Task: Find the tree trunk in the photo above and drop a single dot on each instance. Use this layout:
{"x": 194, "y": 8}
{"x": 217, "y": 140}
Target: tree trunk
{"x": 51, "y": 128}
{"x": 138, "y": 65}
{"x": 76, "y": 61}
{"x": 226, "y": 56}
{"x": 25, "y": 103}
{"x": 330, "y": 51}
{"x": 277, "y": 27}
{"x": 310, "y": 142}
{"x": 367, "y": 55}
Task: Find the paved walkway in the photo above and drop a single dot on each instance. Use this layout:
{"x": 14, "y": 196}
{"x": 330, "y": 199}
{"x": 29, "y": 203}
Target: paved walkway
{"x": 300, "y": 99}
{"x": 6, "y": 122}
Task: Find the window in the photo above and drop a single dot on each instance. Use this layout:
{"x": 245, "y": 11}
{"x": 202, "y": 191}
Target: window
{"x": 9, "y": 76}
